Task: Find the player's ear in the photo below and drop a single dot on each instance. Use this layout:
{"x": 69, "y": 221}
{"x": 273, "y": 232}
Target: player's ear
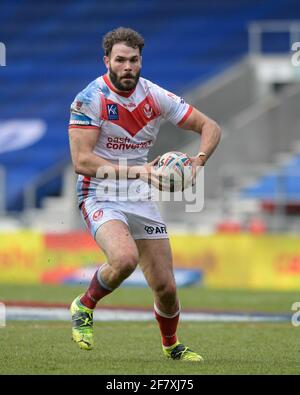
{"x": 106, "y": 61}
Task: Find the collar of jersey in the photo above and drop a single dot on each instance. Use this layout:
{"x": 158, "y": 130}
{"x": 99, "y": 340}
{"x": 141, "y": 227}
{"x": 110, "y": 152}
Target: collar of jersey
{"x": 111, "y": 87}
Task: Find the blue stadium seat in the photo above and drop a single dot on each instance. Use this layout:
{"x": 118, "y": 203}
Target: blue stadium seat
{"x": 283, "y": 185}
{"x": 54, "y": 51}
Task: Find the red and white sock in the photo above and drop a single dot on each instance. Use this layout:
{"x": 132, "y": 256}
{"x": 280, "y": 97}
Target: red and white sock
{"x": 96, "y": 290}
{"x": 168, "y": 325}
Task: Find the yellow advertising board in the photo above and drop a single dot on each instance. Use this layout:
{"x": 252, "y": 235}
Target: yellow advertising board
{"x": 241, "y": 261}
{"x": 226, "y": 261}
{"x": 20, "y": 256}
{"x": 32, "y": 257}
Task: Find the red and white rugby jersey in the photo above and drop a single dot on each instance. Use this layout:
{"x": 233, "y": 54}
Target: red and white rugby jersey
{"x": 128, "y": 121}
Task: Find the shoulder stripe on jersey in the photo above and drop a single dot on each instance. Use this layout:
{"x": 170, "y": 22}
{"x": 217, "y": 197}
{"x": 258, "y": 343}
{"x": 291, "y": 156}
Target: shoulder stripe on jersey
{"x": 83, "y": 127}
{"x": 187, "y": 114}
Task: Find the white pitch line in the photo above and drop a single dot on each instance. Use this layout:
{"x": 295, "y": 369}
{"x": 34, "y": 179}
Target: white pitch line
{"x": 63, "y": 314}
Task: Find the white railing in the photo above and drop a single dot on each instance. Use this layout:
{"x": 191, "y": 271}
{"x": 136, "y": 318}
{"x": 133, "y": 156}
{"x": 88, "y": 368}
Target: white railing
{"x": 30, "y": 192}
{"x": 256, "y": 30}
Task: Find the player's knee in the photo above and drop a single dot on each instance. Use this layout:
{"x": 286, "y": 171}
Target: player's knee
{"x": 170, "y": 292}
{"x": 126, "y": 264}
{"x": 166, "y": 291}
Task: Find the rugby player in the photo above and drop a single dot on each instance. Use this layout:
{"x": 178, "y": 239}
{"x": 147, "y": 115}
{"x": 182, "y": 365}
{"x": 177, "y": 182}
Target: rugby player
{"x": 118, "y": 116}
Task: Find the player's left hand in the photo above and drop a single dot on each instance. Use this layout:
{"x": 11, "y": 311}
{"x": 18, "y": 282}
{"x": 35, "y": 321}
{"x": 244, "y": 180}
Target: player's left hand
{"x": 197, "y": 164}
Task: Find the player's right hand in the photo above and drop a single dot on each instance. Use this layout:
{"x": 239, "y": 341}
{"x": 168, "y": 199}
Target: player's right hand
{"x": 152, "y": 174}
{"x": 156, "y": 175}
{"x": 151, "y": 165}
{"x": 147, "y": 172}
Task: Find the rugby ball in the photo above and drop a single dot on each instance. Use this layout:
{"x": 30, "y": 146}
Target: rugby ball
{"x": 174, "y": 169}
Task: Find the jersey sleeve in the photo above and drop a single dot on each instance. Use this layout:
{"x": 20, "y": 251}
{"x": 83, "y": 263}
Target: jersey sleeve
{"x": 86, "y": 109}
{"x": 172, "y": 107}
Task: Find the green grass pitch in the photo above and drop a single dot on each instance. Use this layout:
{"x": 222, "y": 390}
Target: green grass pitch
{"x": 134, "y": 348}
{"x": 44, "y": 347}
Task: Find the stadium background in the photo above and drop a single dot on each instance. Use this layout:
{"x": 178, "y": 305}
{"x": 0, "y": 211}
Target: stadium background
{"x": 232, "y": 60}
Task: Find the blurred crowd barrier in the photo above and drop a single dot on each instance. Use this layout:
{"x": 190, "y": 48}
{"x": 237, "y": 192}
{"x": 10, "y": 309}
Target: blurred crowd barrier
{"x": 225, "y": 260}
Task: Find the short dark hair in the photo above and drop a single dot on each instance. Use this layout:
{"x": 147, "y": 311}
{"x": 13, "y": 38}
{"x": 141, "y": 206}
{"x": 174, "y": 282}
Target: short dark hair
{"x": 122, "y": 35}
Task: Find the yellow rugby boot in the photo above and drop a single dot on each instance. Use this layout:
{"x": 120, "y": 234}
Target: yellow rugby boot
{"x": 180, "y": 352}
{"x": 82, "y": 320}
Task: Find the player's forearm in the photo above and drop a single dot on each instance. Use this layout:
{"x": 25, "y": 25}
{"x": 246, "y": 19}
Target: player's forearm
{"x": 92, "y": 165}
{"x": 88, "y": 164}
{"x": 207, "y": 127}
{"x": 210, "y": 137}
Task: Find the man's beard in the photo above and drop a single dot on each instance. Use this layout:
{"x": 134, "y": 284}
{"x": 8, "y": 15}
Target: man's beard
{"x": 122, "y": 84}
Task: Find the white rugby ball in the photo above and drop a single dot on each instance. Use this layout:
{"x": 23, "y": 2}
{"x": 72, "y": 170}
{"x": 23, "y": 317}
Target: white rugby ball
{"x": 175, "y": 171}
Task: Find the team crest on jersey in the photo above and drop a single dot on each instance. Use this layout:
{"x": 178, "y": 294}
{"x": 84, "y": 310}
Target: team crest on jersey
{"x": 97, "y": 215}
{"x": 112, "y": 112}
{"x": 148, "y": 110}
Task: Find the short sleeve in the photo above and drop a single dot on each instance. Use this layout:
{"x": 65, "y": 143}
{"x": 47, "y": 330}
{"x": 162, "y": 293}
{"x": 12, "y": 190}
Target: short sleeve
{"x": 172, "y": 107}
{"x": 86, "y": 108}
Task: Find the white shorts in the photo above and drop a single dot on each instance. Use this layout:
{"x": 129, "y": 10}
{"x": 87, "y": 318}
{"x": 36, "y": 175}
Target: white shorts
{"x": 142, "y": 217}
